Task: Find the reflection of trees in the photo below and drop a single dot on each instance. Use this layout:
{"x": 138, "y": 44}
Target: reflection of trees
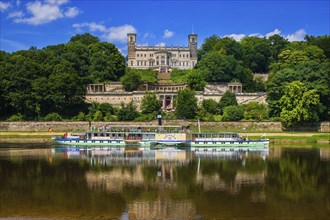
{"x": 149, "y": 174}
{"x": 297, "y": 175}
{"x": 38, "y": 188}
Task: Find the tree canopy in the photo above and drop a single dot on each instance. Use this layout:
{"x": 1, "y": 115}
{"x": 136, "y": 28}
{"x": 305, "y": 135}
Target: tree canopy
{"x": 298, "y": 104}
{"x": 53, "y": 79}
{"x": 186, "y": 106}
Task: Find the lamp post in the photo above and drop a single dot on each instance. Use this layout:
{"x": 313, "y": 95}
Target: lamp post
{"x": 244, "y": 129}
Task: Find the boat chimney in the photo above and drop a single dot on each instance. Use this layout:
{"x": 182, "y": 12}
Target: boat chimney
{"x": 159, "y": 117}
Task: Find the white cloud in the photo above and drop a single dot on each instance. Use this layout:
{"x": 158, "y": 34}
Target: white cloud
{"x": 237, "y": 37}
{"x": 4, "y": 6}
{"x": 276, "y": 31}
{"x": 111, "y": 34}
{"x": 256, "y": 35}
{"x": 16, "y": 14}
{"x": 161, "y": 44}
{"x": 92, "y": 26}
{"x": 119, "y": 33}
{"x": 48, "y": 11}
{"x": 148, "y": 35}
{"x": 168, "y": 34}
{"x": 57, "y": 2}
{"x": 297, "y": 36}
{"x": 71, "y": 12}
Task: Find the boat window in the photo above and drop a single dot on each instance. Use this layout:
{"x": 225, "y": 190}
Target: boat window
{"x": 221, "y": 135}
{"x": 234, "y": 135}
{"x": 96, "y": 134}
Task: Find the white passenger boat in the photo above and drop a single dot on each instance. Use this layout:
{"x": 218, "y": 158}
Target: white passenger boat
{"x": 121, "y": 135}
{"x": 226, "y": 141}
{"x": 159, "y": 137}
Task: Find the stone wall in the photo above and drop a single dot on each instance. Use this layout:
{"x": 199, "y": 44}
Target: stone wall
{"x": 223, "y": 126}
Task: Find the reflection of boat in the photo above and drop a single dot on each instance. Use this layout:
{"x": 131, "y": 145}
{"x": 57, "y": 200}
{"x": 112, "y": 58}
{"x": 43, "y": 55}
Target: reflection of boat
{"x": 112, "y": 135}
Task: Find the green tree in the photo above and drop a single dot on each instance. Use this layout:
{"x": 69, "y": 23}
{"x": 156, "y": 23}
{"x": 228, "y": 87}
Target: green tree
{"x": 322, "y": 42}
{"x": 228, "y": 99}
{"x": 231, "y": 46}
{"x": 207, "y": 46}
{"x": 210, "y": 105}
{"x": 256, "y": 54}
{"x": 298, "y": 104}
{"x": 218, "y": 67}
{"x": 186, "y": 106}
{"x": 255, "y": 111}
{"x": 277, "y": 44}
{"x": 86, "y": 39}
{"x": 98, "y": 116}
{"x": 106, "y": 63}
{"x": 195, "y": 80}
{"x": 53, "y": 117}
{"x": 313, "y": 74}
{"x": 128, "y": 112}
{"x": 150, "y": 103}
{"x": 297, "y": 53}
{"x": 131, "y": 80}
{"x": 66, "y": 90}
{"x": 233, "y": 113}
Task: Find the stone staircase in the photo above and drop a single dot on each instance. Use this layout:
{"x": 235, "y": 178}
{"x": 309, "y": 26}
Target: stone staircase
{"x": 164, "y": 78}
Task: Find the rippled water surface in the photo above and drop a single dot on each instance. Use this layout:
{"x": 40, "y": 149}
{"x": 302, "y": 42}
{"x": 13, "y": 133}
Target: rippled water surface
{"x": 55, "y": 182}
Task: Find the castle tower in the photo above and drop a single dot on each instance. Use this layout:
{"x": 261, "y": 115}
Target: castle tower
{"x": 131, "y": 44}
{"x": 192, "y": 39}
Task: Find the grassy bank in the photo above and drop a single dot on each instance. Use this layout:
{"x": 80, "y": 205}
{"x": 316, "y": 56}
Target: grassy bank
{"x": 277, "y": 138}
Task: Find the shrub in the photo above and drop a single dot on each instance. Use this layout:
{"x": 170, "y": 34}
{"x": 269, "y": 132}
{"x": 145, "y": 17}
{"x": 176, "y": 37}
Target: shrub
{"x": 233, "y": 113}
{"x": 53, "y": 117}
{"x": 79, "y": 117}
{"x": 228, "y": 99}
{"x": 210, "y": 105}
{"x": 127, "y": 113}
{"x": 109, "y": 117}
{"x": 98, "y": 116}
{"x": 255, "y": 111}
{"x": 17, "y": 117}
{"x": 146, "y": 117}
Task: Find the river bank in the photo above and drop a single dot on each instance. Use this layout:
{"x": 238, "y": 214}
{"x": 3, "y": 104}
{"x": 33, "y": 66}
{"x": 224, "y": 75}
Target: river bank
{"x": 275, "y": 137}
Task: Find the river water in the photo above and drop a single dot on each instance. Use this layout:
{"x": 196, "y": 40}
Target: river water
{"x": 54, "y": 182}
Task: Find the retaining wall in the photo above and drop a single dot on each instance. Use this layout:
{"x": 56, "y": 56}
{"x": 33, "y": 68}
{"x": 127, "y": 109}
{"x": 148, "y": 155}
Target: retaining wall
{"x": 223, "y": 126}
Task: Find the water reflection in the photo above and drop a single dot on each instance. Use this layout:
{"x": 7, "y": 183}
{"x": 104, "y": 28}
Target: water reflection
{"x": 134, "y": 183}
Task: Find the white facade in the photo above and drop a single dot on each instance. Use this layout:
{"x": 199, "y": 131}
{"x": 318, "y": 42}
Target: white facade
{"x": 162, "y": 58}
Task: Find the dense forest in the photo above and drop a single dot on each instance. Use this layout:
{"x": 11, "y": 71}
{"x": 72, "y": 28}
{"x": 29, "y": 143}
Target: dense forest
{"x": 50, "y": 83}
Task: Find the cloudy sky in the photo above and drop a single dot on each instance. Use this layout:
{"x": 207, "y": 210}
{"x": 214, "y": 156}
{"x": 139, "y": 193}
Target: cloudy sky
{"x": 26, "y": 23}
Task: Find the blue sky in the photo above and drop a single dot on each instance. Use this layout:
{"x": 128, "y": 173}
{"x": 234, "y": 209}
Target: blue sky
{"x": 26, "y": 23}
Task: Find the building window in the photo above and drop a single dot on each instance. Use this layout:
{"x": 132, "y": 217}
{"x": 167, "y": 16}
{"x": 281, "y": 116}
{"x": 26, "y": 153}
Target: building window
{"x": 131, "y": 63}
{"x": 137, "y": 55}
